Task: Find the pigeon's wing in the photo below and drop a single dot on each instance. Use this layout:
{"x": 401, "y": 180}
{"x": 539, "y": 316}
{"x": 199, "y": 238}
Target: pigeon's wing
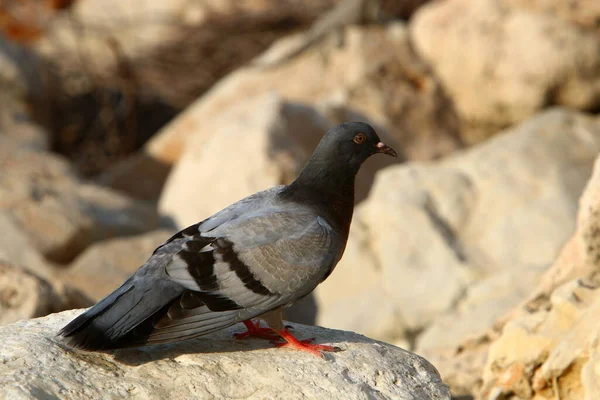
{"x": 245, "y": 267}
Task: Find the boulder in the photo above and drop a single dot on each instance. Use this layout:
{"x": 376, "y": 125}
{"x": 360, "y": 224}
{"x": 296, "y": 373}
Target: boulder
{"x": 550, "y": 353}
{"x": 60, "y": 214}
{"x": 215, "y": 36}
{"x": 502, "y": 64}
{"x": 16, "y": 249}
{"x": 29, "y": 285}
{"x": 105, "y": 265}
{"x": 369, "y": 73}
{"x": 584, "y": 14}
{"x": 24, "y": 295}
{"x": 461, "y": 363}
{"x": 259, "y": 143}
{"x": 35, "y": 364}
{"x": 434, "y": 238}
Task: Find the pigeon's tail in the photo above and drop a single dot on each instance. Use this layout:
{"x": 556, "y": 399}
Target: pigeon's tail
{"x": 123, "y": 318}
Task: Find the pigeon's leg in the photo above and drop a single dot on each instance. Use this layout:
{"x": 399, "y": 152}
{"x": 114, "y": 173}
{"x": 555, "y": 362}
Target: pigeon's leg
{"x": 254, "y": 330}
{"x": 275, "y": 321}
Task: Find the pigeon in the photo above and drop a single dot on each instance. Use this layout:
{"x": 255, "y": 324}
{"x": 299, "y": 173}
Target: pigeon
{"x": 247, "y": 261}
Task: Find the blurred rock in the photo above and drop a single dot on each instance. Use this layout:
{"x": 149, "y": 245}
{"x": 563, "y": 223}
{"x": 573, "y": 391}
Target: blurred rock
{"x": 551, "y": 353}
{"x": 484, "y": 302}
{"x": 29, "y": 286}
{"x": 59, "y": 214}
{"x": 16, "y": 126}
{"x": 400, "y": 9}
{"x": 139, "y": 176}
{"x": 368, "y": 73}
{"x": 495, "y": 214}
{"x": 501, "y": 64}
{"x": 24, "y": 295}
{"x": 217, "y": 365}
{"x": 15, "y": 248}
{"x": 259, "y": 143}
{"x": 105, "y": 265}
{"x": 197, "y": 42}
{"x": 583, "y": 13}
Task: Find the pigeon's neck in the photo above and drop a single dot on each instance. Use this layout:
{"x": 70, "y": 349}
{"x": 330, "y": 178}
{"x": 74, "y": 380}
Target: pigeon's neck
{"x": 329, "y": 187}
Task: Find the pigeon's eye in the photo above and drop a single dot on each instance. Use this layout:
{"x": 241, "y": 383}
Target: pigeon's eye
{"x": 359, "y": 138}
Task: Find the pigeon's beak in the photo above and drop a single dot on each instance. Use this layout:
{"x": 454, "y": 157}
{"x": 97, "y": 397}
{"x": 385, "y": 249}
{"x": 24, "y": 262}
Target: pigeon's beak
{"x": 383, "y": 148}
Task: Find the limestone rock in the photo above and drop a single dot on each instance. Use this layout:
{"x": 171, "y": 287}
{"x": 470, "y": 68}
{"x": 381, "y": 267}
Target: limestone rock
{"x": 24, "y": 295}
{"x": 105, "y": 265}
{"x": 370, "y": 72}
{"x": 461, "y": 363}
{"x": 502, "y": 64}
{"x": 15, "y": 248}
{"x": 34, "y": 364}
{"x": 92, "y": 41}
{"x": 494, "y": 214}
{"x": 582, "y": 13}
{"x": 60, "y": 214}
{"x": 484, "y": 302}
{"x": 550, "y": 353}
{"x": 29, "y": 285}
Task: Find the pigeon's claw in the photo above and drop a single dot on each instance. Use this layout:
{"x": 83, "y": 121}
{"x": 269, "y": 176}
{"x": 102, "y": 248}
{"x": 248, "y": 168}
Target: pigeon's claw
{"x": 254, "y": 330}
{"x": 304, "y": 345}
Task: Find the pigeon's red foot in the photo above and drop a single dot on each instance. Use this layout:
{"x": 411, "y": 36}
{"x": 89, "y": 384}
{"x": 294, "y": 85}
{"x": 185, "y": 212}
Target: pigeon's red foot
{"x": 304, "y": 345}
{"x": 254, "y": 330}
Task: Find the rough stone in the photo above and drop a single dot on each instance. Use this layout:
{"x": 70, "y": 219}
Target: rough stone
{"x": 60, "y": 214}
{"x": 550, "y": 353}
{"x": 372, "y": 72}
{"x": 461, "y": 365}
{"x": 15, "y": 248}
{"x": 105, "y": 265}
{"x": 502, "y": 64}
{"x": 95, "y": 40}
{"x": 582, "y": 13}
{"x": 24, "y": 295}
{"x": 34, "y": 364}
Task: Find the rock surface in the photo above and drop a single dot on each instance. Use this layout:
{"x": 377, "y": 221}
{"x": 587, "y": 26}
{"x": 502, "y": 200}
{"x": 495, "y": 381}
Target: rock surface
{"x": 150, "y": 37}
{"x": 15, "y": 248}
{"x": 582, "y": 13}
{"x": 60, "y": 214}
{"x": 551, "y": 353}
{"x": 545, "y": 314}
{"x": 515, "y": 61}
{"x": 34, "y": 364}
{"x": 24, "y": 296}
{"x": 105, "y": 265}
{"x": 373, "y": 72}
{"x": 494, "y": 214}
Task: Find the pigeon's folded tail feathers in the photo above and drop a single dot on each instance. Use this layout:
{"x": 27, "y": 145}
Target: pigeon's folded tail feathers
{"x": 106, "y": 324}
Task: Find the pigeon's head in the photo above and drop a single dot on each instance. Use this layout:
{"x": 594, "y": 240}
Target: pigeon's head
{"x": 352, "y": 143}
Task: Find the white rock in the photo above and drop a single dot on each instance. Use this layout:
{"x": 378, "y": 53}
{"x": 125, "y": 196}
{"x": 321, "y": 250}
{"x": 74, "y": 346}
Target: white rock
{"x": 33, "y": 364}
{"x": 371, "y": 73}
{"x": 501, "y": 64}
{"x": 60, "y": 214}
{"x": 105, "y": 265}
